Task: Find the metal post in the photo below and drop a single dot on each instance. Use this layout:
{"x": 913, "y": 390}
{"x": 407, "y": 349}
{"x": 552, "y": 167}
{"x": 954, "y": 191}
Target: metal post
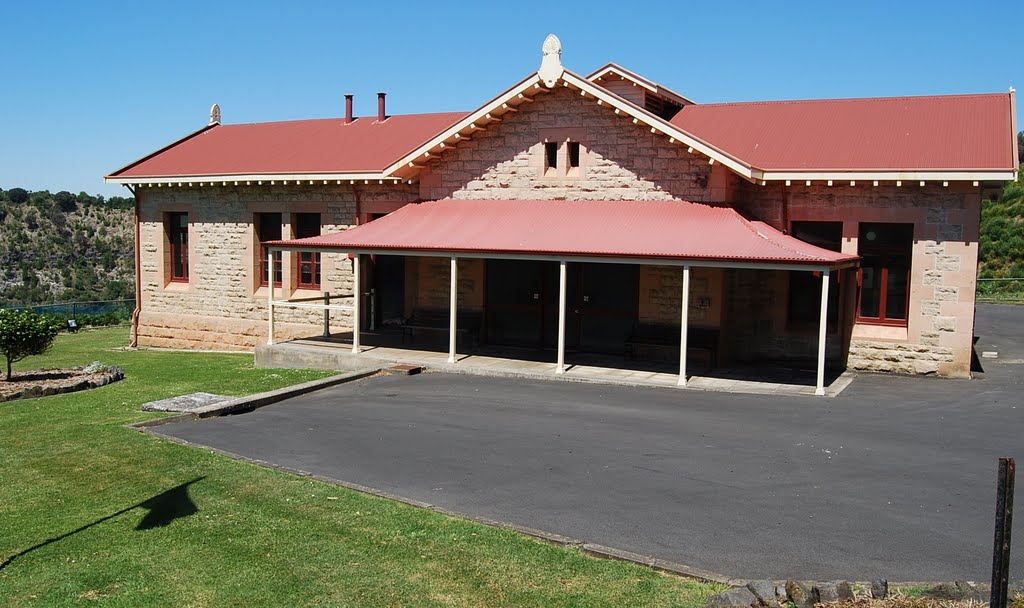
{"x": 270, "y": 295}
{"x": 684, "y": 325}
{"x": 327, "y": 314}
{"x": 356, "y": 295}
{"x": 452, "y": 309}
{"x": 1004, "y": 524}
{"x": 562, "y": 281}
{"x": 819, "y": 388}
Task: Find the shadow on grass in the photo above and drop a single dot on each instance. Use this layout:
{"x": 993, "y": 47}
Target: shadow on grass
{"x": 162, "y": 509}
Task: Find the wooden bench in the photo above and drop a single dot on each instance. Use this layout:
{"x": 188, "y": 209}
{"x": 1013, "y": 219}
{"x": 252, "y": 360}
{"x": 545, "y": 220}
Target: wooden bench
{"x": 649, "y": 338}
{"x": 467, "y": 325}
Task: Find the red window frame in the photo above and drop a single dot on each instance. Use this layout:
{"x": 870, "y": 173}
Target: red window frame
{"x": 278, "y": 267}
{"x": 827, "y": 235}
{"x": 887, "y": 254}
{"x": 307, "y": 262}
{"x": 274, "y": 234}
{"x": 177, "y": 236}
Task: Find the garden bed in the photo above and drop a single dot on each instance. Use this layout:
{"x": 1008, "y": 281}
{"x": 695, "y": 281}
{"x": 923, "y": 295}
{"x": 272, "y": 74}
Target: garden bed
{"x": 45, "y": 382}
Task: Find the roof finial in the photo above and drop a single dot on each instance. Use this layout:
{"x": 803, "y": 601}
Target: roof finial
{"x": 215, "y": 114}
{"x": 551, "y": 65}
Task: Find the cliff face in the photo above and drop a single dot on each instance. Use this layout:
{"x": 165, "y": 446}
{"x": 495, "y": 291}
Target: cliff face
{"x": 65, "y": 251}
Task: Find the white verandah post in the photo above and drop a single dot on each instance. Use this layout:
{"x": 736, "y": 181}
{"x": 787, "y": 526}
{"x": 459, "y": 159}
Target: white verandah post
{"x": 270, "y": 296}
{"x": 684, "y": 323}
{"x": 819, "y": 388}
{"x": 356, "y": 296}
{"x": 452, "y": 309}
{"x": 562, "y": 280}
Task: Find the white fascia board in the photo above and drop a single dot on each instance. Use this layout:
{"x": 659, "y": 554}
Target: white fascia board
{"x": 478, "y": 116}
{"x": 1013, "y": 132}
{"x": 659, "y": 124}
{"x": 695, "y": 263}
{"x": 653, "y": 87}
{"x": 265, "y": 177}
{"x": 910, "y": 176}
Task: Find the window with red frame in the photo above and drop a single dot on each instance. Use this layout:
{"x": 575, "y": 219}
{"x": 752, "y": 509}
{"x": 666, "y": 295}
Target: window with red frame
{"x": 307, "y": 225}
{"x": 805, "y": 287}
{"x": 884, "y": 275}
{"x": 177, "y": 236}
{"x": 268, "y": 228}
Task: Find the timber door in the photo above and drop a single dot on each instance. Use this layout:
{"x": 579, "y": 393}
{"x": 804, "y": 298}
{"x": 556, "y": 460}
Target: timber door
{"x": 609, "y": 305}
{"x": 602, "y": 303}
{"x": 389, "y": 290}
{"x": 514, "y": 299}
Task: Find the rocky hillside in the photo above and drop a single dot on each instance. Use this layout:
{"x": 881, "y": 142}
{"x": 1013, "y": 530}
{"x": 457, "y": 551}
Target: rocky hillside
{"x": 64, "y": 247}
{"x": 1002, "y": 233}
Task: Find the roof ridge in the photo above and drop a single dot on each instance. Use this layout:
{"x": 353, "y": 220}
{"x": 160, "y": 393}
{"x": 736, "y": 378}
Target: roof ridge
{"x": 843, "y": 99}
{"x": 337, "y": 118}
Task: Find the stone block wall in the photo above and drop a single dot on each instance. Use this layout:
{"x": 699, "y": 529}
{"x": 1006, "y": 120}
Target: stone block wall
{"x": 661, "y": 295}
{"x": 938, "y": 336}
{"x": 433, "y": 283}
{"x": 757, "y": 326}
{"x": 222, "y": 305}
{"x": 619, "y": 161}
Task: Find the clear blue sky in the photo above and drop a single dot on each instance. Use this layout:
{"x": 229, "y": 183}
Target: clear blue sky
{"x": 91, "y": 86}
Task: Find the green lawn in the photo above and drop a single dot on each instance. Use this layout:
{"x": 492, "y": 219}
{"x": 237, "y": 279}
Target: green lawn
{"x": 259, "y": 537}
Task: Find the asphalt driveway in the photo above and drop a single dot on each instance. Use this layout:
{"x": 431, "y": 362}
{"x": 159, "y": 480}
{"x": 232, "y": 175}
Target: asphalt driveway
{"x": 894, "y": 478}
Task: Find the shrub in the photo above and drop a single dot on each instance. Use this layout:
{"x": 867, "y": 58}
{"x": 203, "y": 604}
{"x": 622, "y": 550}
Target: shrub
{"x": 24, "y": 333}
{"x": 17, "y": 195}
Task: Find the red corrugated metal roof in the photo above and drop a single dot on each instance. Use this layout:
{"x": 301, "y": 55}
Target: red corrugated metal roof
{"x": 324, "y": 145}
{"x": 956, "y": 132}
{"x": 638, "y": 229}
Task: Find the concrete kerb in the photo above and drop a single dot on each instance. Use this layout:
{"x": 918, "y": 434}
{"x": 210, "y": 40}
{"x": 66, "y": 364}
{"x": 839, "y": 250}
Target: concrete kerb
{"x": 149, "y": 427}
{"x": 252, "y": 402}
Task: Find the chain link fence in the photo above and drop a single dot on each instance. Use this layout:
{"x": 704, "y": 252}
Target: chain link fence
{"x": 1001, "y": 291}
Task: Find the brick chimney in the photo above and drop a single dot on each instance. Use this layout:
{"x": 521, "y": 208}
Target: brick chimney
{"x": 381, "y": 115}
{"x": 348, "y": 108}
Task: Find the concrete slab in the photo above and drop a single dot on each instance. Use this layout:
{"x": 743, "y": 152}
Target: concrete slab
{"x": 184, "y": 403}
{"x": 338, "y": 355}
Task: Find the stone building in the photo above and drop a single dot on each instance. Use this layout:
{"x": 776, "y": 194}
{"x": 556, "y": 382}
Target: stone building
{"x": 584, "y": 214}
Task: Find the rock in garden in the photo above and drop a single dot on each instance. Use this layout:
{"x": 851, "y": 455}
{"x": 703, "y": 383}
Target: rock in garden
{"x": 879, "y": 588}
{"x": 800, "y": 594}
{"x": 979, "y": 592}
{"x": 733, "y": 598}
{"x": 845, "y": 590}
{"x": 960, "y": 590}
{"x": 944, "y": 591}
{"x": 826, "y": 592}
{"x": 764, "y": 591}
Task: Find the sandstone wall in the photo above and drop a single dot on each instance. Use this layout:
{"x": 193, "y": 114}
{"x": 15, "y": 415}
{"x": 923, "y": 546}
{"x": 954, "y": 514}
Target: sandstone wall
{"x": 619, "y": 161}
{"x": 940, "y": 325}
{"x": 222, "y": 305}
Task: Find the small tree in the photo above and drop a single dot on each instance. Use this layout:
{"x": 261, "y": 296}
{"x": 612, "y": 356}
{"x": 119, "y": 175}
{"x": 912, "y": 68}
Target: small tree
{"x": 17, "y": 195}
{"x": 24, "y": 333}
{"x": 66, "y": 201}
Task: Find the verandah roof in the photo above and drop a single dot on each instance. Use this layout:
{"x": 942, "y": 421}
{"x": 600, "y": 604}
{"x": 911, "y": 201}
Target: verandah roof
{"x": 676, "y": 231}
